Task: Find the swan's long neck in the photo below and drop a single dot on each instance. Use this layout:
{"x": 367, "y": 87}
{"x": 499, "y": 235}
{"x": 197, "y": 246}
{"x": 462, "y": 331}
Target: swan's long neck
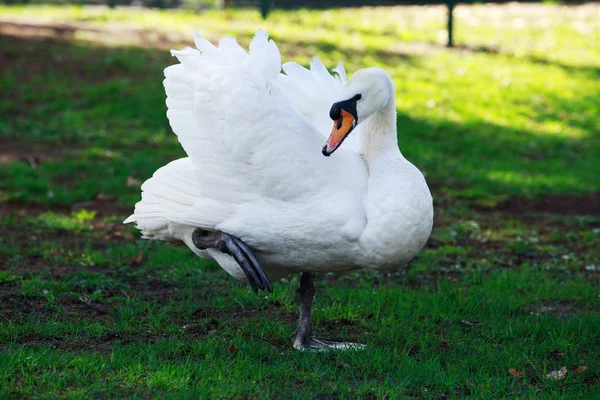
{"x": 379, "y": 135}
{"x": 398, "y": 203}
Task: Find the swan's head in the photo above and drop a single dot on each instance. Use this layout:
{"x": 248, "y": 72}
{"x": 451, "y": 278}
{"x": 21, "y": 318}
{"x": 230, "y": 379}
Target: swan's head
{"x": 368, "y": 91}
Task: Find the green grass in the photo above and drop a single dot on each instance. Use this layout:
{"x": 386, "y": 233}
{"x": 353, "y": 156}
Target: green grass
{"x": 506, "y": 129}
{"x": 118, "y": 317}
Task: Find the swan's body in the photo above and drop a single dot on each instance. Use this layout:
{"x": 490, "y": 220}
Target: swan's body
{"x": 256, "y": 170}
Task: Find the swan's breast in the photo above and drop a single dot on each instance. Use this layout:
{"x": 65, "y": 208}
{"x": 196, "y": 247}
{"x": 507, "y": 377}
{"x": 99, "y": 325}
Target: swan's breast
{"x": 400, "y": 218}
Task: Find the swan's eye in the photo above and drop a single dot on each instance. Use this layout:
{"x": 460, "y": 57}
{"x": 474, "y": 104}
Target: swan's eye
{"x": 357, "y": 97}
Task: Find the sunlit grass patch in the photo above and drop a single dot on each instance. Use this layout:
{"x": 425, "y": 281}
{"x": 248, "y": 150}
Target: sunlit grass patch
{"x": 78, "y": 220}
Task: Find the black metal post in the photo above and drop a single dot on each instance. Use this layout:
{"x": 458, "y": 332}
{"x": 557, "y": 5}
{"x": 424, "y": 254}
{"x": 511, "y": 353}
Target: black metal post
{"x": 265, "y": 8}
{"x": 451, "y": 4}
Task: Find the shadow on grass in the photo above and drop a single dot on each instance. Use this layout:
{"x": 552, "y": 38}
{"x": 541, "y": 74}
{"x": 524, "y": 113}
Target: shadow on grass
{"x": 108, "y": 104}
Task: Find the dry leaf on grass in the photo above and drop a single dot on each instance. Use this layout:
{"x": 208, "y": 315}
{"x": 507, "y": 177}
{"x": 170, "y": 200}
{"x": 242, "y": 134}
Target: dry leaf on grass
{"x": 120, "y": 235}
{"x": 556, "y": 375}
{"x": 137, "y": 259}
{"x": 131, "y": 181}
{"x": 104, "y": 197}
{"x": 470, "y": 323}
{"x": 514, "y": 372}
{"x": 579, "y": 370}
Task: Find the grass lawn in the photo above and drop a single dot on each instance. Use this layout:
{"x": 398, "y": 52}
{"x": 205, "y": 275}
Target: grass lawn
{"x": 506, "y": 128}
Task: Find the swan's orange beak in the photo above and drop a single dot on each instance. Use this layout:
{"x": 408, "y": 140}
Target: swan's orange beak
{"x": 341, "y": 128}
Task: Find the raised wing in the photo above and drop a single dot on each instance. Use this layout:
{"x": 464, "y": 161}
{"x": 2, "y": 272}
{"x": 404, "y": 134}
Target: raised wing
{"x": 250, "y": 149}
{"x": 313, "y": 91}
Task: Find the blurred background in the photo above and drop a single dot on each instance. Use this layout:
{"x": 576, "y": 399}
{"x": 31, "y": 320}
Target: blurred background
{"x": 498, "y": 105}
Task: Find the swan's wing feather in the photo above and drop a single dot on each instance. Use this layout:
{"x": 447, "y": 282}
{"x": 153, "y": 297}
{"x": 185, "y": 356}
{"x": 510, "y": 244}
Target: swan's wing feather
{"x": 341, "y": 71}
{"x": 313, "y": 91}
{"x": 246, "y": 142}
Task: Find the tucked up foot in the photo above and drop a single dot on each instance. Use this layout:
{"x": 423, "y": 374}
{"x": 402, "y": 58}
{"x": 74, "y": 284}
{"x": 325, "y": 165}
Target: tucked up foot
{"x": 305, "y": 340}
{"x": 239, "y": 250}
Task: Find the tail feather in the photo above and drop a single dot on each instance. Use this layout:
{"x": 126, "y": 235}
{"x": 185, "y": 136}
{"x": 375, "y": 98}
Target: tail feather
{"x": 169, "y": 199}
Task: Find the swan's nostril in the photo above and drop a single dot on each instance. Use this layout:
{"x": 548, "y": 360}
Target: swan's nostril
{"x": 339, "y": 124}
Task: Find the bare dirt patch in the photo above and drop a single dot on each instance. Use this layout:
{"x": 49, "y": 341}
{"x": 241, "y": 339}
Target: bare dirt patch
{"x": 21, "y": 29}
{"x": 66, "y": 32}
{"x": 562, "y": 205}
{"x": 104, "y": 206}
{"x": 102, "y": 344}
{"x": 11, "y": 151}
{"x": 560, "y": 309}
{"x": 70, "y": 307}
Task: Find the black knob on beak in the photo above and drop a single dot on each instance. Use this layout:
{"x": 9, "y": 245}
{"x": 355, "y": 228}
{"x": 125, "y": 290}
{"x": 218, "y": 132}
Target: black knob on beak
{"x": 347, "y": 105}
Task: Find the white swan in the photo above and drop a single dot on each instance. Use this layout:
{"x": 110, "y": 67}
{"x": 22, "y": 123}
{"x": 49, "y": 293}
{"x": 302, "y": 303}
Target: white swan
{"x": 257, "y": 192}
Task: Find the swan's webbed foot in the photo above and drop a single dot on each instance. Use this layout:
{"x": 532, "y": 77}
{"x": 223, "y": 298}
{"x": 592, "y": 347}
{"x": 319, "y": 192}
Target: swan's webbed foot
{"x": 239, "y": 250}
{"x": 312, "y": 344}
{"x": 305, "y": 340}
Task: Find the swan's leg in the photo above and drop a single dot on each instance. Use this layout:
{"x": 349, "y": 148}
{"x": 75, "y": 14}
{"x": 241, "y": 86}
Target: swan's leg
{"x": 242, "y": 254}
{"x": 305, "y": 339}
{"x": 305, "y": 334}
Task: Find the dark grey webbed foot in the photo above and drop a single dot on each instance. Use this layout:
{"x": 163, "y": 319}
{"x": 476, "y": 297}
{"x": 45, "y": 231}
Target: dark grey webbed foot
{"x": 313, "y": 344}
{"x": 305, "y": 340}
{"x": 239, "y": 250}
